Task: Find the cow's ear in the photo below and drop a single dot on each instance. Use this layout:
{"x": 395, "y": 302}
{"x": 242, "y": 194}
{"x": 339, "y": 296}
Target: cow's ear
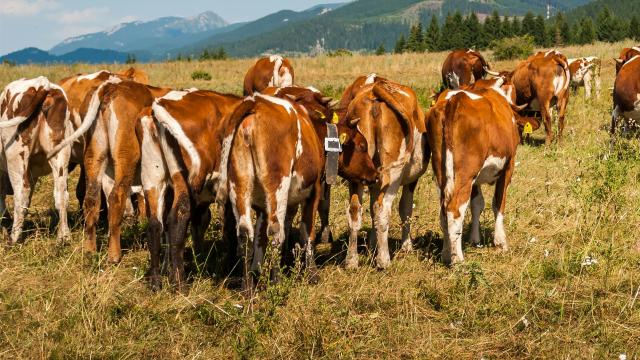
{"x": 344, "y": 137}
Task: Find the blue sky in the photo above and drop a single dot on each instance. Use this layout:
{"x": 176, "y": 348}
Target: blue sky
{"x": 44, "y": 23}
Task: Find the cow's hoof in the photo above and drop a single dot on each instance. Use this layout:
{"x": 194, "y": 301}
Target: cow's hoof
{"x": 155, "y": 283}
{"x": 326, "y": 236}
{"x": 502, "y": 246}
{"x": 114, "y": 259}
{"x": 407, "y": 246}
{"x": 382, "y": 263}
{"x": 351, "y": 263}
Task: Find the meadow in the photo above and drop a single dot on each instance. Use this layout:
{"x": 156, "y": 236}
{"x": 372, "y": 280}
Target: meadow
{"x": 569, "y": 287}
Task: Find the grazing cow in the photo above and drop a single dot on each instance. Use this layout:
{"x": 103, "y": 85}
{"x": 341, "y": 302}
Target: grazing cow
{"x": 393, "y": 124}
{"x": 272, "y": 71}
{"x": 352, "y": 90}
{"x": 473, "y": 137}
{"x": 626, "y": 94}
{"x": 112, "y": 154}
{"x": 277, "y": 162}
{"x": 34, "y": 119}
{"x": 79, "y": 89}
{"x": 542, "y": 81}
{"x": 584, "y": 71}
{"x": 463, "y": 67}
{"x": 625, "y": 55}
{"x": 184, "y": 142}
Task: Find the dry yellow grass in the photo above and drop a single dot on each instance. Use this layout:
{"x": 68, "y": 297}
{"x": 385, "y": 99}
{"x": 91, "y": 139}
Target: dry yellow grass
{"x": 566, "y": 203}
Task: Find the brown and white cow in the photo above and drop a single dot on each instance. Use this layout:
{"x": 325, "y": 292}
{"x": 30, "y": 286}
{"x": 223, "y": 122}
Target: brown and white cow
{"x": 272, "y": 71}
{"x": 542, "y": 81}
{"x": 184, "y": 145}
{"x": 584, "y": 71}
{"x": 473, "y": 135}
{"x": 626, "y": 94}
{"x": 625, "y": 55}
{"x": 34, "y": 119}
{"x": 79, "y": 89}
{"x": 112, "y": 154}
{"x": 277, "y": 162}
{"x": 388, "y": 115}
{"x": 463, "y": 67}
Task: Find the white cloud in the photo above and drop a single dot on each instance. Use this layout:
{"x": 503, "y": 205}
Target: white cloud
{"x": 81, "y": 16}
{"x": 25, "y": 7}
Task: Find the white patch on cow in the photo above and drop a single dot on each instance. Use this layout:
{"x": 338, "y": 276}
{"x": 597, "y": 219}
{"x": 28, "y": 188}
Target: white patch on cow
{"x": 112, "y": 126}
{"x": 490, "y": 170}
{"x": 174, "y": 127}
{"x": 371, "y": 78}
{"x": 284, "y": 103}
{"x": 274, "y": 58}
{"x": 636, "y": 48}
{"x": 286, "y": 79}
{"x": 570, "y": 61}
{"x": 454, "y": 80}
{"x": 313, "y": 89}
{"x": 299, "y": 140}
{"x": 499, "y": 237}
{"x": 471, "y": 95}
{"x": 224, "y": 161}
{"x": 402, "y": 92}
{"x": 469, "y": 51}
{"x": 90, "y": 76}
{"x": 558, "y": 84}
{"x": 448, "y": 160}
{"x": 590, "y": 58}
{"x": 175, "y": 95}
{"x": 632, "y": 59}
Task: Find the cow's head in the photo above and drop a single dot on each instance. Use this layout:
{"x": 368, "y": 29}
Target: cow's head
{"x": 625, "y": 55}
{"x": 354, "y": 163}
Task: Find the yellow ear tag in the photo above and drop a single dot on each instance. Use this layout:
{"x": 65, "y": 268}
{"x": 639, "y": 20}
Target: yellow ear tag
{"x": 335, "y": 119}
{"x": 433, "y": 102}
{"x": 528, "y": 129}
{"x": 322, "y": 116}
{"x": 343, "y": 138}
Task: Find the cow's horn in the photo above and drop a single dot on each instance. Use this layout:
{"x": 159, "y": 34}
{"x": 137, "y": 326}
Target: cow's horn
{"x": 619, "y": 61}
{"x": 354, "y": 122}
{"x": 492, "y": 73}
{"x": 518, "y": 108}
{"x": 333, "y": 104}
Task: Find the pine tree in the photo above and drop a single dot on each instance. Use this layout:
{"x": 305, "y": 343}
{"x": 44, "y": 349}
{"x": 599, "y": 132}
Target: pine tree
{"x": 634, "y": 28}
{"x": 516, "y": 26}
{"x": 432, "y": 37}
{"x": 400, "y": 45}
{"x": 528, "y": 24}
{"x": 609, "y": 28}
{"x": 472, "y": 32}
{"x": 415, "y": 41}
{"x": 586, "y": 33}
{"x": 381, "y": 50}
{"x": 507, "y": 28}
{"x": 539, "y": 31}
{"x": 492, "y": 26}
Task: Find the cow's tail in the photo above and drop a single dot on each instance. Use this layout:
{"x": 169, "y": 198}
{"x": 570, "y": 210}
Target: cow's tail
{"x": 448, "y": 147}
{"x": 175, "y": 129}
{"x": 384, "y": 92}
{"x": 89, "y": 118}
{"x": 227, "y": 134}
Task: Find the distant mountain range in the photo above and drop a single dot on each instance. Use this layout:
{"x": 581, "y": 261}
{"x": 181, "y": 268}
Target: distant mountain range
{"x": 357, "y": 25}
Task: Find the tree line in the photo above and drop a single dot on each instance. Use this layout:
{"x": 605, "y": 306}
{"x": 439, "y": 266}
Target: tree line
{"x": 458, "y": 31}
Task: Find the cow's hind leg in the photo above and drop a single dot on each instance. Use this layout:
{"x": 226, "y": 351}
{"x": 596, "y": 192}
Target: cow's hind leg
{"x": 477, "y": 206}
{"x": 499, "y": 200}
{"x": 277, "y": 199}
{"x": 324, "y": 209}
{"x": 406, "y": 211}
{"x": 124, "y": 172}
{"x": 59, "y": 170}
{"x": 455, "y": 210}
{"x": 95, "y": 162}
{"x": 307, "y": 233}
{"x": 382, "y": 214}
{"x": 178, "y": 220}
{"x": 19, "y": 177}
{"x": 545, "y": 109}
{"x": 355, "y": 223}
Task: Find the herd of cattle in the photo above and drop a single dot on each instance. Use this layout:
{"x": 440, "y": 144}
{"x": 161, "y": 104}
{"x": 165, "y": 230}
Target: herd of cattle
{"x": 280, "y": 147}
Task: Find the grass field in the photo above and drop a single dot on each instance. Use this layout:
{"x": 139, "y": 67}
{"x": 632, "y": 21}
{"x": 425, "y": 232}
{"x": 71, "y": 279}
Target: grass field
{"x": 568, "y": 288}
